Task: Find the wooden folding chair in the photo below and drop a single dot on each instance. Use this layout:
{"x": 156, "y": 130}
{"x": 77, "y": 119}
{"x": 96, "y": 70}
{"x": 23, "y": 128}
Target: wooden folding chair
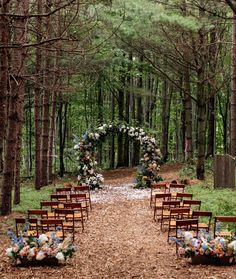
{"x": 204, "y": 219}
{"x": 50, "y": 206}
{"x": 79, "y": 213}
{"x": 84, "y": 189}
{"x": 81, "y": 198}
{"x": 68, "y": 215}
{"x": 177, "y": 214}
{"x": 157, "y": 205}
{"x": 68, "y": 184}
{"x": 59, "y": 197}
{"x": 37, "y": 212}
{"x": 184, "y": 196}
{"x": 65, "y": 190}
{"x": 193, "y": 204}
{"x": 165, "y": 211}
{"x": 226, "y": 220}
{"x": 157, "y": 188}
{"x": 175, "y": 188}
{"x": 48, "y": 226}
{"x": 185, "y": 225}
{"x": 28, "y": 227}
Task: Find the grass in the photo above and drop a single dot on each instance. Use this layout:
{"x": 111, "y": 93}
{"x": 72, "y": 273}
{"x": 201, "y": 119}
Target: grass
{"x": 30, "y": 198}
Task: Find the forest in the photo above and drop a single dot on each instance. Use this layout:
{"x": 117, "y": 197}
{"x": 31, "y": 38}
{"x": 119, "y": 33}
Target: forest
{"x": 68, "y": 66}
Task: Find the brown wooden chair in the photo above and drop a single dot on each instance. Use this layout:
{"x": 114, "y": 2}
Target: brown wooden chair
{"x": 185, "y": 225}
{"x": 48, "y": 226}
{"x": 26, "y": 227}
{"x": 79, "y": 213}
{"x": 204, "y": 219}
{"x": 157, "y": 188}
{"x": 157, "y": 205}
{"x": 68, "y": 184}
{"x": 175, "y": 188}
{"x": 32, "y": 213}
{"x": 177, "y": 214}
{"x": 165, "y": 211}
{"x": 184, "y": 196}
{"x": 81, "y": 198}
{"x": 84, "y": 189}
{"x": 225, "y": 221}
{"x": 68, "y": 215}
{"x": 65, "y": 190}
{"x": 59, "y": 197}
{"x": 193, "y": 204}
{"x": 50, "y": 206}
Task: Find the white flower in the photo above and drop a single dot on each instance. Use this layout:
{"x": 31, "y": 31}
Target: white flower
{"x": 60, "y": 256}
{"x": 9, "y": 252}
{"x": 187, "y": 236}
{"x": 76, "y": 146}
{"x": 96, "y": 135}
{"x": 84, "y": 168}
{"x": 16, "y": 248}
{"x": 43, "y": 238}
{"x": 232, "y": 245}
{"x": 40, "y": 256}
{"x": 32, "y": 252}
{"x": 79, "y": 177}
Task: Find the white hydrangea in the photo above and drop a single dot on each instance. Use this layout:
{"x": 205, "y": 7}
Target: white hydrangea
{"x": 60, "y": 256}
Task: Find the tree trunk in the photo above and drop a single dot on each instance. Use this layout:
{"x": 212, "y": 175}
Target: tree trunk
{"x": 4, "y": 39}
{"x": 188, "y": 142}
{"x": 165, "y": 120}
{"x": 37, "y": 100}
{"x": 112, "y": 138}
{"x": 233, "y": 90}
{"x": 120, "y": 155}
{"x": 46, "y": 103}
{"x": 16, "y": 100}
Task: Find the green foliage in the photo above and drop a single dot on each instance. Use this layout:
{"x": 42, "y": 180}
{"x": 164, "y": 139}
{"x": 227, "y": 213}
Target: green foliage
{"x": 31, "y": 198}
{"x": 219, "y": 201}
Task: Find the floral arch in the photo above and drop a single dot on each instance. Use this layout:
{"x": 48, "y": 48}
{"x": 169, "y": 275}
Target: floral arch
{"x": 88, "y": 171}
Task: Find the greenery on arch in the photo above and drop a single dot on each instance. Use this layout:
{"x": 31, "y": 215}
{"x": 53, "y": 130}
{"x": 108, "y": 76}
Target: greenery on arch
{"x": 88, "y": 171}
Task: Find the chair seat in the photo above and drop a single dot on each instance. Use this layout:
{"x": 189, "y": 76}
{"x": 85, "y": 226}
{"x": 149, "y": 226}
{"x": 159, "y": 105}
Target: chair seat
{"x": 202, "y": 226}
{"x": 172, "y": 223}
{"x": 68, "y": 224}
{"x": 166, "y": 213}
{"x": 76, "y": 215}
{"x": 224, "y": 233}
{"x": 158, "y": 204}
{"x": 32, "y": 233}
{"x": 58, "y": 234}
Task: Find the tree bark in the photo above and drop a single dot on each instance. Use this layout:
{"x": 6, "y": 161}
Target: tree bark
{"x": 46, "y": 103}
{"x": 37, "y": 100}
{"x": 233, "y": 89}
{"x": 165, "y": 120}
{"x": 4, "y": 39}
{"x": 16, "y": 100}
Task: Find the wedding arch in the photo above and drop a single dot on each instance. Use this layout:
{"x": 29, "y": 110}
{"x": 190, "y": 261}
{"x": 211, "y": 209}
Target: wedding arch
{"x": 88, "y": 171}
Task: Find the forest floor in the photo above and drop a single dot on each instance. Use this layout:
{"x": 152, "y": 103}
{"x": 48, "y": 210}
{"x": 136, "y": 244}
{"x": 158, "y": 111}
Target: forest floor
{"x": 121, "y": 240}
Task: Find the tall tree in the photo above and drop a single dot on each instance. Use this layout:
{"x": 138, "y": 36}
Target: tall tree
{"x": 16, "y": 99}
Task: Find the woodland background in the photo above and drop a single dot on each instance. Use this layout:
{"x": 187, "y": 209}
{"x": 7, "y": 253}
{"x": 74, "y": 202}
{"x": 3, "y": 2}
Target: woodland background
{"x": 68, "y": 66}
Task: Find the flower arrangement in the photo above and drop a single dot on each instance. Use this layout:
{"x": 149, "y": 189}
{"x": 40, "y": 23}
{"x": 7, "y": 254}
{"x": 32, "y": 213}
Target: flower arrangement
{"x": 205, "y": 245}
{"x": 39, "y": 249}
{"x": 87, "y": 164}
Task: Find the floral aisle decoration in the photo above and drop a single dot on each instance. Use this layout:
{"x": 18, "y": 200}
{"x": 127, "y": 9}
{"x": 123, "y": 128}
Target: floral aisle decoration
{"x": 205, "y": 249}
{"x": 39, "y": 250}
{"x": 88, "y": 171}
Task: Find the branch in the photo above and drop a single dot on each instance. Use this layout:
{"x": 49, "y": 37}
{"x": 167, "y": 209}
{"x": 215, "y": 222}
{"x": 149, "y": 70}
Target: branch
{"x": 231, "y": 5}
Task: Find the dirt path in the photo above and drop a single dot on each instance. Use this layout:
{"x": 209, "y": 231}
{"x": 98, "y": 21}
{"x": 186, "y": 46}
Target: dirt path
{"x": 121, "y": 240}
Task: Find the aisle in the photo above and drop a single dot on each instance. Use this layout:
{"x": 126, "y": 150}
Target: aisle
{"x": 121, "y": 240}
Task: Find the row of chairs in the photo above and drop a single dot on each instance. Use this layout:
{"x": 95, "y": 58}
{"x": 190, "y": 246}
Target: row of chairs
{"x": 67, "y": 210}
{"x": 178, "y": 211}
